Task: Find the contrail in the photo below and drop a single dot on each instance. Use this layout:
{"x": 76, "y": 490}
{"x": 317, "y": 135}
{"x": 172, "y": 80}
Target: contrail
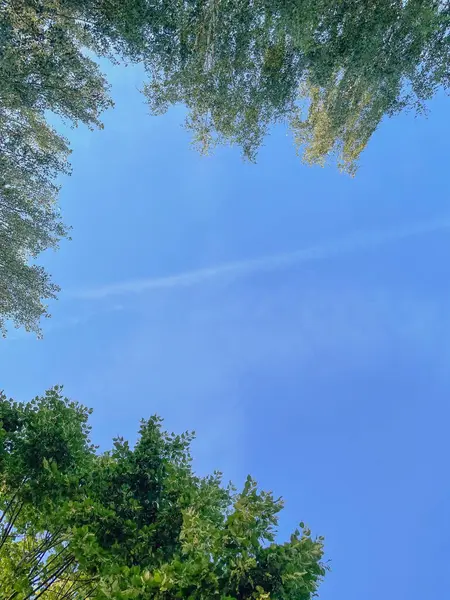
{"x": 352, "y": 243}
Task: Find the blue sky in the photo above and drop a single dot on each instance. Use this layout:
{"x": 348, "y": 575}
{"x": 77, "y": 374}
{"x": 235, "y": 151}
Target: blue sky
{"x": 297, "y": 319}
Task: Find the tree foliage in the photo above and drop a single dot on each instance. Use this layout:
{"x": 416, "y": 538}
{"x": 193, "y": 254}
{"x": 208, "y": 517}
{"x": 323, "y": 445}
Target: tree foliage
{"x": 330, "y": 70}
{"x": 233, "y": 64}
{"x": 42, "y": 69}
{"x": 46, "y": 67}
{"x": 31, "y": 154}
{"x": 134, "y": 522}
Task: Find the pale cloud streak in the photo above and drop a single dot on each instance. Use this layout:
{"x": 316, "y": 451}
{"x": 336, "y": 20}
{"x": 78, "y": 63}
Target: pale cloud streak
{"x": 342, "y": 246}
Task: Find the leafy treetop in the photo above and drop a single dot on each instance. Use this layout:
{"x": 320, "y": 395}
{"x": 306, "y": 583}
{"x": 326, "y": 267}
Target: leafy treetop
{"x": 133, "y": 522}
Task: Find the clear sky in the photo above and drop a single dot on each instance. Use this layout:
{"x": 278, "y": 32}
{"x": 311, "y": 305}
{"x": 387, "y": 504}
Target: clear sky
{"x": 297, "y": 319}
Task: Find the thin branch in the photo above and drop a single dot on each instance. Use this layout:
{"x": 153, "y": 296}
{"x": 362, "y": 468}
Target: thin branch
{"x": 10, "y": 525}
{"x": 48, "y": 582}
{"x": 51, "y": 561}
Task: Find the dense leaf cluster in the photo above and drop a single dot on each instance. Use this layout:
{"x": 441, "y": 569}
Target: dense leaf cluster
{"x": 134, "y": 522}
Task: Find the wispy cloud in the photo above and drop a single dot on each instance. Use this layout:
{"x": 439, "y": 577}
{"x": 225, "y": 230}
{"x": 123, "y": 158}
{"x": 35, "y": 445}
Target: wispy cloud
{"x": 349, "y": 244}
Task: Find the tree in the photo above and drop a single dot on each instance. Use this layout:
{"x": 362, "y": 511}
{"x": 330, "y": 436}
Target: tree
{"x": 42, "y": 69}
{"x": 44, "y": 454}
{"x": 134, "y": 522}
{"x": 330, "y": 70}
{"x": 367, "y": 60}
{"x": 232, "y": 64}
{"x": 46, "y": 67}
{"x": 31, "y": 154}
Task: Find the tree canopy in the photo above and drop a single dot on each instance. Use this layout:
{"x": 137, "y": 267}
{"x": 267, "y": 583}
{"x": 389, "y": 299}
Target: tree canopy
{"x": 42, "y": 70}
{"x": 330, "y": 71}
{"x": 135, "y": 521}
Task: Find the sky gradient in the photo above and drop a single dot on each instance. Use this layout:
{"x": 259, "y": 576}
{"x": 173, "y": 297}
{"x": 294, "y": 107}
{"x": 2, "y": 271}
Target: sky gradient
{"x": 296, "y": 318}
